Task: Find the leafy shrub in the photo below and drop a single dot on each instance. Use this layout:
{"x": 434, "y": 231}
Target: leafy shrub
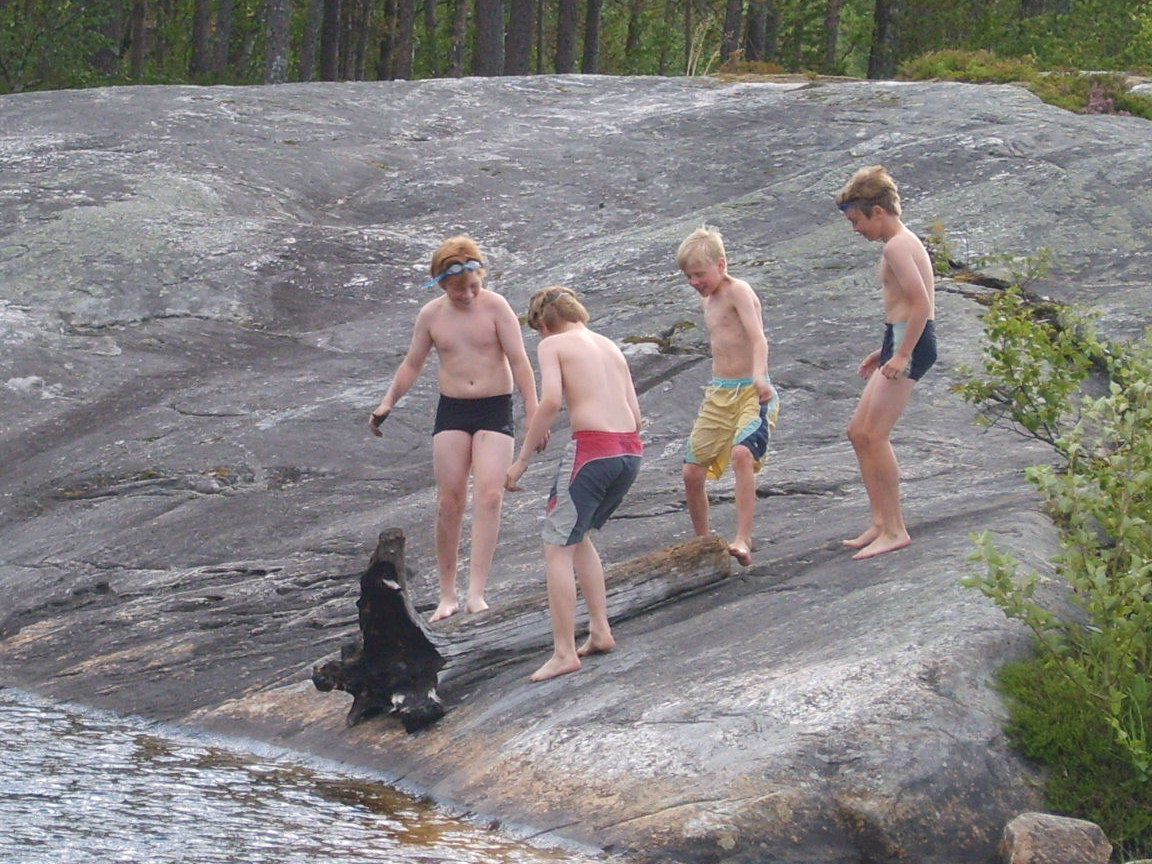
{"x": 1080, "y": 92}
{"x": 1082, "y": 705}
{"x": 977, "y": 67}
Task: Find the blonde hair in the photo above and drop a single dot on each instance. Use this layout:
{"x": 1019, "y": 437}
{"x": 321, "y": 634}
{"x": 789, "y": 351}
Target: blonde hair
{"x": 551, "y": 305}
{"x": 455, "y": 250}
{"x": 702, "y": 246}
{"x": 870, "y": 187}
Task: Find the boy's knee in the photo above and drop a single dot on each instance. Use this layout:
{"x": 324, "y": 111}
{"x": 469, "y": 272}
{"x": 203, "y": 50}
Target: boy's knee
{"x": 742, "y": 458}
{"x": 693, "y": 474}
{"x": 450, "y": 503}
{"x": 860, "y": 436}
{"x": 488, "y": 499}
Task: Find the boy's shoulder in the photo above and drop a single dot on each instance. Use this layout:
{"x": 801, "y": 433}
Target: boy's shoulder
{"x": 904, "y": 240}
{"x": 491, "y": 301}
{"x": 734, "y": 289}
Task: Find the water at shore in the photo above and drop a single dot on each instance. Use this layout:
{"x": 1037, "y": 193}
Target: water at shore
{"x": 78, "y": 785}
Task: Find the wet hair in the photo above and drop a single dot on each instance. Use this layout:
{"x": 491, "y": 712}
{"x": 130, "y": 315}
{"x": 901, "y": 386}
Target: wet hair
{"x": 870, "y": 187}
{"x": 554, "y": 304}
{"x": 702, "y": 246}
{"x": 456, "y": 249}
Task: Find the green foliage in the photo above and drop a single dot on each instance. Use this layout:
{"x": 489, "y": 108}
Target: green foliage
{"x": 977, "y": 67}
{"x": 49, "y": 44}
{"x": 1081, "y": 706}
{"x": 1094, "y": 93}
{"x": 1084, "y": 93}
{"x": 1052, "y": 725}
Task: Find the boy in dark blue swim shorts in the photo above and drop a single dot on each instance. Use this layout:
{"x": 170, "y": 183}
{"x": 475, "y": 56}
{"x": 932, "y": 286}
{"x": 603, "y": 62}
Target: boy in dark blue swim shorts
{"x": 589, "y": 373}
{"x": 871, "y": 202}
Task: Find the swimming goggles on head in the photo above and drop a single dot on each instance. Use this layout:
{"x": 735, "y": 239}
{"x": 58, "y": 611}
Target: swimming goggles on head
{"x": 455, "y": 269}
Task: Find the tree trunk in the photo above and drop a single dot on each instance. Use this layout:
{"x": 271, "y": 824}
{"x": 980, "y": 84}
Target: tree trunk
{"x": 309, "y": 39}
{"x": 666, "y": 36}
{"x": 518, "y": 44}
{"x": 590, "y": 64}
{"x": 330, "y": 41}
{"x": 138, "y": 52}
{"x": 730, "y": 38}
{"x": 402, "y": 47}
{"x": 829, "y": 63}
{"x": 488, "y": 55}
{"x": 632, "y": 37}
{"x": 882, "y": 60}
{"x": 567, "y": 19}
{"x": 539, "y": 37}
{"x": 276, "y": 43}
{"x": 459, "y": 34}
{"x": 432, "y": 57}
{"x": 756, "y": 31}
{"x": 200, "y": 61}
{"x": 396, "y": 664}
{"x": 222, "y": 38}
{"x": 689, "y": 35}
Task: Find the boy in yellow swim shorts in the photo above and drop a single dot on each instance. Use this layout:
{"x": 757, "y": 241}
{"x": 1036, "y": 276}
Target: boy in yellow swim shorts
{"x": 740, "y": 405}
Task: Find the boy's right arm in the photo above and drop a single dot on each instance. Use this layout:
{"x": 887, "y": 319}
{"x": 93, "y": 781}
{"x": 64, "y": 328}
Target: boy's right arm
{"x": 748, "y": 309}
{"x": 406, "y": 374}
{"x": 551, "y": 398}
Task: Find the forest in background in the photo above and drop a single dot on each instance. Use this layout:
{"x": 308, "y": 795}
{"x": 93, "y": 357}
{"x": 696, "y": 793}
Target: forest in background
{"x": 54, "y": 44}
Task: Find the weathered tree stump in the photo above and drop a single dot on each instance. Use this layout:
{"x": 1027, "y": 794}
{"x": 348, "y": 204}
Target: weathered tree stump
{"x": 393, "y": 666}
{"x": 398, "y": 662}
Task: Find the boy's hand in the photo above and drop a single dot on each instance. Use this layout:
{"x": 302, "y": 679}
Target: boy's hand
{"x": 512, "y": 478}
{"x": 374, "y": 421}
{"x": 544, "y": 441}
{"x": 869, "y": 365}
{"x": 765, "y": 391}
{"x": 895, "y": 367}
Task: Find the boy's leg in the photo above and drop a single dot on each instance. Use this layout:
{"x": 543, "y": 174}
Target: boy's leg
{"x": 881, "y": 405}
{"x": 744, "y": 471}
{"x": 590, "y": 572}
{"x": 562, "y": 607}
{"x": 492, "y": 455}
{"x": 696, "y": 497}
{"x": 451, "y": 463}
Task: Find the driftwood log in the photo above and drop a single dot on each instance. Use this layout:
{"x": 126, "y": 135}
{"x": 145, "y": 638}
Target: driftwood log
{"x": 398, "y": 662}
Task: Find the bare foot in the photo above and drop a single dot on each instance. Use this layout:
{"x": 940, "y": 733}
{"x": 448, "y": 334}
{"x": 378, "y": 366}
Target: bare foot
{"x": 556, "y": 667}
{"x": 741, "y": 553}
{"x": 881, "y": 545}
{"x": 446, "y": 609}
{"x": 473, "y": 606}
{"x": 599, "y": 645}
{"x": 864, "y": 539}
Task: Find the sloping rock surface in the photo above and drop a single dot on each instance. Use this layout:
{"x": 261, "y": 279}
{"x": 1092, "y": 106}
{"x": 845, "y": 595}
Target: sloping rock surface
{"x": 203, "y": 291}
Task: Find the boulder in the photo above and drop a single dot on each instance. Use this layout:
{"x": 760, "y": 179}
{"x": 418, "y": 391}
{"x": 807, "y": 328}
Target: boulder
{"x": 1043, "y": 838}
{"x": 205, "y": 290}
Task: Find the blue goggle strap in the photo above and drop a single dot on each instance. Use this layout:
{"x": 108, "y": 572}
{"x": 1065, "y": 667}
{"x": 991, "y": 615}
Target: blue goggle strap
{"x": 455, "y": 269}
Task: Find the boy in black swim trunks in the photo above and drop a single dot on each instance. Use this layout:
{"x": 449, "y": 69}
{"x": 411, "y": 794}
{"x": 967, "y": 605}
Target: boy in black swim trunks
{"x": 589, "y": 373}
{"x": 481, "y": 352}
{"x": 871, "y": 202}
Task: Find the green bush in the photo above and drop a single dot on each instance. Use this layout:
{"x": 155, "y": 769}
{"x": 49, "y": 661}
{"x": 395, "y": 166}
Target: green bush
{"x": 1082, "y": 705}
{"x": 977, "y": 67}
{"x": 1080, "y": 92}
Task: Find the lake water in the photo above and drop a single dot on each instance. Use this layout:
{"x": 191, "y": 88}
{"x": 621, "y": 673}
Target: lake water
{"x": 79, "y": 786}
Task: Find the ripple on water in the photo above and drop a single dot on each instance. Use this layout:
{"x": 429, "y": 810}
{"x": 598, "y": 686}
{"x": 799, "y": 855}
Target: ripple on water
{"x": 79, "y": 786}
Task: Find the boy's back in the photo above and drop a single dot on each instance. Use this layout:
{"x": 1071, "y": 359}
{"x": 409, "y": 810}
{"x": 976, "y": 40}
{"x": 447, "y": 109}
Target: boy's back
{"x": 596, "y": 383}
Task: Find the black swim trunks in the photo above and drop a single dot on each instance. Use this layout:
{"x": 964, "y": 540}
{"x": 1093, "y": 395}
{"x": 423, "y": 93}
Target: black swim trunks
{"x": 491, "y": 413}
{"x": 923, "y": 355}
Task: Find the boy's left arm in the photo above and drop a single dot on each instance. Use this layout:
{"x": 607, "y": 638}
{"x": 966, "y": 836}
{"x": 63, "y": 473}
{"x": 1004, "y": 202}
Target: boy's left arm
{"x": 901, "y": 263}
{"x": 512, "y": 341}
